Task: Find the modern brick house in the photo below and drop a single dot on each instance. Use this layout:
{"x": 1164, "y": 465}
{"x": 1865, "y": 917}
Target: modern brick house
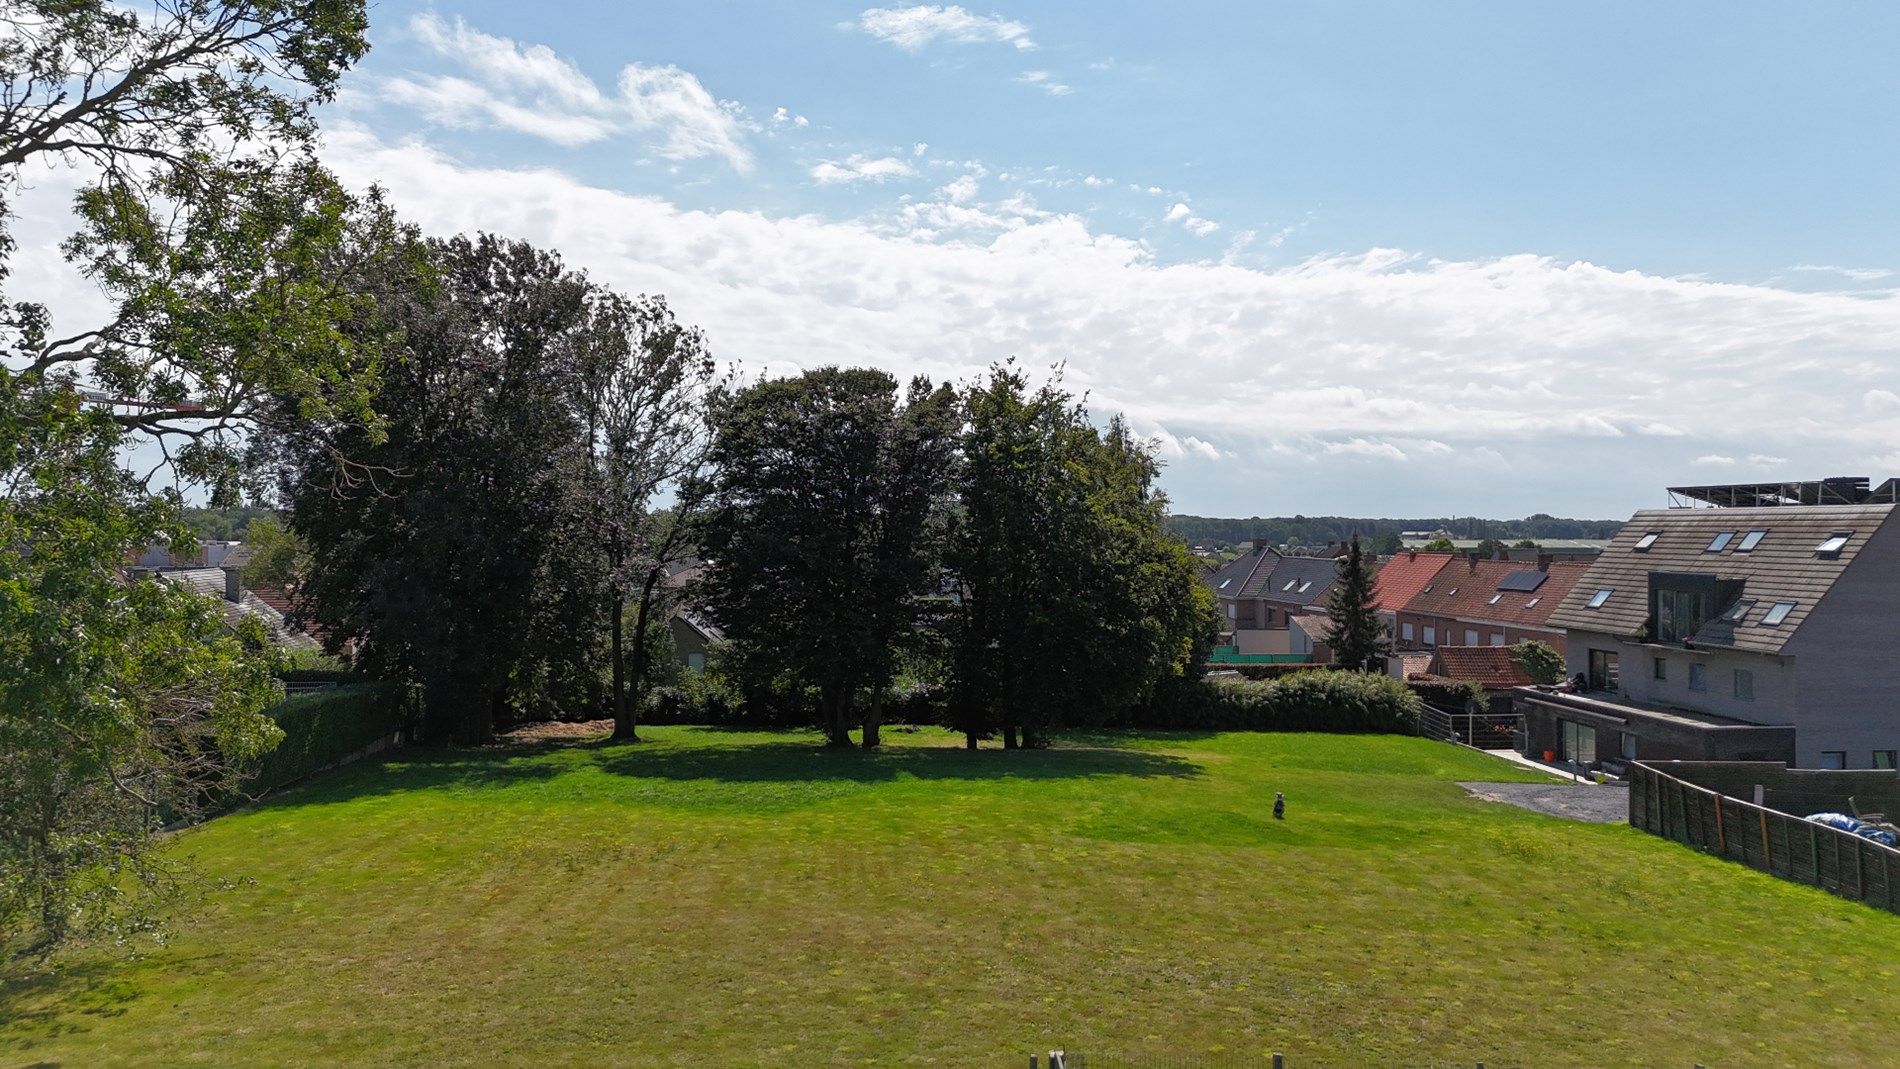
{"x": 1757, "y": 622}
{"x": 1261, "y": 590}
{"x": 1473, "y": 602}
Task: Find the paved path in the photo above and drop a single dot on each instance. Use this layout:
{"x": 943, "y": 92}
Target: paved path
{"x": 1606, "y": 804}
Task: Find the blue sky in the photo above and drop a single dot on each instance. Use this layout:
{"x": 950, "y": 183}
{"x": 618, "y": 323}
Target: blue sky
{"x": 1385, "y": 259}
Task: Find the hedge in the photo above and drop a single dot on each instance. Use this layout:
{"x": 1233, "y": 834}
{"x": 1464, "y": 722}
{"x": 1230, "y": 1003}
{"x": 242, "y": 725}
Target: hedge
{"x": 321, "y": 675}
{"x": 1330, "y": 701}
{"x": 325, "y": 727}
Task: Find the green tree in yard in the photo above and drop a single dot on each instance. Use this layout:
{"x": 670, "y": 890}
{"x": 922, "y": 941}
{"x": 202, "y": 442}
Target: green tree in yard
{"x": 1356, "y": 634}
{"x": 1539, "y": 661}
{"x": 223, "y": 251}
{"x": 1441, "y": 544}
{"x": 1079, "y": 601}
{"x": 277, "y": 557}
{"x": 1387, "y": 544}
{"x": 823, "y": 495}
{"x": 1525, "y": 543}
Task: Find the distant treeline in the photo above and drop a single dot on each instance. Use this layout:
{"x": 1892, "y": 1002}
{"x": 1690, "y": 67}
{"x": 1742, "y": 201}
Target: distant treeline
{"x": 226, "y": 524}
{"x": 1319, "y": 530}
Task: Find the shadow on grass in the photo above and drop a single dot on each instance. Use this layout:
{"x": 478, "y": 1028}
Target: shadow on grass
{"x": 799, "y": 759}
{"x": 38, "y": 1004}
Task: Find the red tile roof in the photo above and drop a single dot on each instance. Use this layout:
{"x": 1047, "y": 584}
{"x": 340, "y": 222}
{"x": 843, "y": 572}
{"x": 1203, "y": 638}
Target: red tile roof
{"x": 286, "y": 605}
{"x": 1488, "y": 666}
{"x": 1464, "y": 590}
{"x": 1401, "y": 578}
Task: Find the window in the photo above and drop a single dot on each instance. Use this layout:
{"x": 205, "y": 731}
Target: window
{"x": 696, "y": 662}
{"x": 1495, "y": 598}
{"x": 1579, "y": 742}
{"x": 1720, "y": 542}
{"x": 1745, "y": 684}
{"x": 1452, "y": 591}
{"x": 1776, "y": 613}
{"x": 1679, "y": 613}
{"x": 1834, "y": 759}
{"x": 1290, "y": 584}
{"x": 1497, "y": 640}
{"x": 1306, "y": 586}
{"x": 1662, "y": 668}
{"x": 1750, "y": 541}
{"x": 1233, "y": 611}
{"x": 1405, "y": 632}
{"x": 1431, "y": 635}
{"x": 1471, "y": 637}
{"x": 1698, "y": 677}
{"x": 1883, "y": 759}
{"x": 1648, "y": 540}
{"x": 1224, "y": 582}
{"x": 1597, "y": 599}
{"x": 1603, "y": 670}
{"x": 1629, "y": 746}
{"x": 1269, "y": 616}
{"x": 1734, "y": 616}
{"x": 1832, "y": 545}
{"x": 1427, "y": 590}
{"x": 1531, "y": 604}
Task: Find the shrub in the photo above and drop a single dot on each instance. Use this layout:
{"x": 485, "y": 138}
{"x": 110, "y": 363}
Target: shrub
{"x": 323, "y": 728}
{"x": 1332, "y": 701}
{"x": 1452, "y": 695}
{"x": 321, "y": 675}
{"x": 1539, "y": 661}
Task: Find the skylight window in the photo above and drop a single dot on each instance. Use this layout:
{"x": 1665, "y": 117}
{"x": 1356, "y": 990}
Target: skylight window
{"x": 1597, "y": 599}
{"x": 1734, "y": 615}
{"x": 1777, "y": 612}
{"x": 1495, "y": 598}
{"x": 1533, "y": 602}
{"x": 1648, "y": 540}
{"x": 1290, "y": 583}
{"x": 1720, "y": 542}
{"x": 1833, "y": 544}
{"x": 1224, "y": 582}
{"x": 1452, "y": 591}
{"x": 1750, "y": 541}
{"x": 1306, "y": 586}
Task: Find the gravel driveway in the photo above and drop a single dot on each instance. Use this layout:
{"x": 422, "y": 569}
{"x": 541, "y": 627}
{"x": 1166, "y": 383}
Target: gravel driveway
{"x": 1606, "y": 804}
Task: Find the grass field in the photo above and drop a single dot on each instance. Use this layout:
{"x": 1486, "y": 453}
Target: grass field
{"x": 713, "y": 898}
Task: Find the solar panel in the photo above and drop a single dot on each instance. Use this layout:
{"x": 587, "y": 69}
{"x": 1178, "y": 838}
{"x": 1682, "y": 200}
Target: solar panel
{"x": 1528, "y": 579}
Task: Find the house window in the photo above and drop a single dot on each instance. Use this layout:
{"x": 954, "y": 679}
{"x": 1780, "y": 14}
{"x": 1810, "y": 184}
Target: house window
{"x": 1224, "y": 582}
{"x": 1720, "y": 542}
{"x": 1750, "y": 541}
{"x": 1580, "y": 743}
{"x": 1306, "y": 586}
{"x": 1497, "y": 640}
{"x": 1405, "y": 632}
{"x": 1745, "y": 684}
{"x": 1776, "y": 613}
{"x": 1532, "y": 604}
{"x": 1648, "y": 540}
{"x": 1603, "y": 670}
{"x": 1597, "y": 599}
{"x": 1832, "y": 545}
{"x": 1471, "y": 637}
{"x": 1233, "y": 611}
{"x": 696, "y": 662}
{"x": 1679, "y": 613}
{"x": 1495, "y": 598}
{"x": 1834, "y": 759}
{"x": 1698, "y": 676}
{"x": 1269, "y": 616}
{"x": 1290, "y": 584}
{"x": 1662, "y": 668}
{"x": 1883, "y": 759}
{"x": 1431, "y": 635}
{"x": 1629, "y": 746}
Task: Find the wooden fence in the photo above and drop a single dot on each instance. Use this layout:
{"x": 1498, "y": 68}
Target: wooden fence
{"x": 1776, "y": 843}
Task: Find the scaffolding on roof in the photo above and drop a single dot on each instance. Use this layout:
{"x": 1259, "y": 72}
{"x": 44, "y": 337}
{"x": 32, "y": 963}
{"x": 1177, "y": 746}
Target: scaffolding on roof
{"x": 1841, "y": 490}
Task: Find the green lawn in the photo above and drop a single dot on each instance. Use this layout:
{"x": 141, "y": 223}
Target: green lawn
{"x": 713, "y": 898}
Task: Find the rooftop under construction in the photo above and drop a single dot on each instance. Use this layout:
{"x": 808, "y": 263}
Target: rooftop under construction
{"x": 1840, "y": 490}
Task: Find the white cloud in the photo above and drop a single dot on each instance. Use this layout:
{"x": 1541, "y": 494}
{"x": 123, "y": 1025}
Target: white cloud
{"x": 1852, "y": 274}
{"x": 961, "y": 190}
{"x": 1713, "y": 460}
{"x": 1046, "y": 82}
{"x": 781, "y": 116}
{"x": 1550, "y": 363}
{"x": 856, "y": 168}
{"x": 1184, "y": 215}
{"x": 1881, "y": 400}
{"x": 531, "y": 90}
{"x": 1763, "y": 460}
{"x": 920, "y": 148}
{"x": 911, "y": 28}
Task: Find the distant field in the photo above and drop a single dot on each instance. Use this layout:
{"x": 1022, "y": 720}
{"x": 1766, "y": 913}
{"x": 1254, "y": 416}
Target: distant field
{"x": 713, "y": 898}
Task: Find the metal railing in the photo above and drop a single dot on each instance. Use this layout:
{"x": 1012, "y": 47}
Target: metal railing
{"x": 1482, "y": 731}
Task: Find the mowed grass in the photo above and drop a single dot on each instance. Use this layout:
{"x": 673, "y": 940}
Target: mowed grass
{"x": 714, "y": 898}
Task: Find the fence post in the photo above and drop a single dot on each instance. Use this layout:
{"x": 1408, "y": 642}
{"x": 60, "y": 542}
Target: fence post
{"x": 1860, "y": 873}
{"x": 1721, "y": 837}
{"x": 1767, "y": 848}
{"x": 1278, "y": 1061}
{"x": 1814, "y": 851}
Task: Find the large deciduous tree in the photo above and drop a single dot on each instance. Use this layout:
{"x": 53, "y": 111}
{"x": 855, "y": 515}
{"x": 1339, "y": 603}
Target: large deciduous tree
{"x": 1079, "y": 601}
{"x": 454, "y": 542}
{"x": 824, "y": 495}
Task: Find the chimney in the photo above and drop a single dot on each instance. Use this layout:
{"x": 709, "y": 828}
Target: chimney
{"x": 1543, "y": 561}
{"x": 1471, "y": 559}
{"x": 1411, "y": 554}
{"x": 233, "y": 585}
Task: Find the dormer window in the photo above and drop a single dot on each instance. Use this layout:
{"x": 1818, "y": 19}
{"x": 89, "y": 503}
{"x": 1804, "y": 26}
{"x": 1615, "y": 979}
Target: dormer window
{"x": 1598, "y": 599}
{"x": 1750, "y": 541}
{"x": 1832, "y": 545}
{"x": 1720, "y": 542}
{"x": 1648, "y": 540}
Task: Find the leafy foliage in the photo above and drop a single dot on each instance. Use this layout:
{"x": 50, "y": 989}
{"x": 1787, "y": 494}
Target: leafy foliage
{"x": 1312, "y": 700}
{"x": 323, "y": 728}
{"x": 1539, "y": 661}
{"x": 1356, "y": 634}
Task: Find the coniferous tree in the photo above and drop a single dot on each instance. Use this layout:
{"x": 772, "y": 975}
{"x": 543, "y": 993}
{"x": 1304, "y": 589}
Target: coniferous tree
{"x": 1356, "y": 634}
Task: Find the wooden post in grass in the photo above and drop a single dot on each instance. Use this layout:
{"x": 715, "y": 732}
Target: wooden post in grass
{"x": 1767, "y": 848}
{"x": 1721, "y": 837}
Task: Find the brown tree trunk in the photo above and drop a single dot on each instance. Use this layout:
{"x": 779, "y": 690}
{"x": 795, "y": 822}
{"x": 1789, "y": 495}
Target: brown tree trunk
{"x": 874, "y": 719}
{"x": 1009, "y": 736}
{"x": 622, "y": 722}
{"x": 627, "y": 709}
{"x": 837, "y": 701}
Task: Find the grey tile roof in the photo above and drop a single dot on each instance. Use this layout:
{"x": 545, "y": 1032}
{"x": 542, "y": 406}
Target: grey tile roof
{"x": 210, "y": 583}
{"x": 1234, "y": 577}
{"x": 1782, "y": 567}
{"x": 1315, "y": 574}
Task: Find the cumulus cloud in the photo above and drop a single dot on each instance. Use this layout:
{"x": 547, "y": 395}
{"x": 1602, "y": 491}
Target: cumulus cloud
{"x": 1713, "y": 460}
{"x": 782, "y": 116}
{"x": 1766, "y": 461}
{"x": 1195, "y": 225}
{"x": 911, "y": 28}
{"x": 1046, "y": 82}
{"x": 1881, "y": 400}
{"x": 532, "y": 90}
{"x": 857, "y": 168}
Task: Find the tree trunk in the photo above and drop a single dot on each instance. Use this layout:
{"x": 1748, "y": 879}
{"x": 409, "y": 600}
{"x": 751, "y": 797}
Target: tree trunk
{"x": 874, "y": 719}
{"x": 622, "y": 722}
{"x": 1009, "y": 736}
{"x": 837, "y": 701}
{"x": 627, "y": 712}
{"x": 969, "y": 740}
